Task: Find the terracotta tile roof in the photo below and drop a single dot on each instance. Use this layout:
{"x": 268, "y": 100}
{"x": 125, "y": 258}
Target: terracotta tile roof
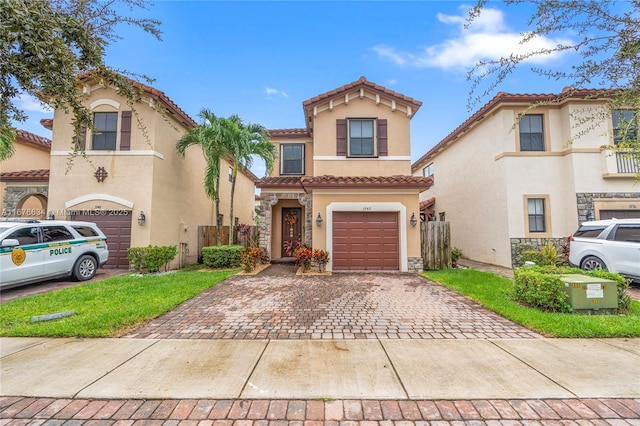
{"x": 284, "y": 182}
{"x": 399, "y": 181}
{"x": 47, "y": 123}
{"x": 427, "y": 203}
{"x": 289, "y": 133}
{"x": 28, "y": 175}
{"x": 362, "y": 82}
{"x": 510, "y": 98}
{"x": 158, "y": 95}
{"x": 29, "y": 138}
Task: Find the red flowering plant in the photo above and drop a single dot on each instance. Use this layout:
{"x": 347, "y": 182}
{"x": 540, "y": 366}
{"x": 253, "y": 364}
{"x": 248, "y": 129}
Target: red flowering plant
{"x": 303, "y": 257}
{"x": 320, "y": 258}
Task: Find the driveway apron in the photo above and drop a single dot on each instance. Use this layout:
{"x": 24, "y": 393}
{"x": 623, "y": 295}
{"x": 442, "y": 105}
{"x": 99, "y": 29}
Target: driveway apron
{"x": 277, "y": 304}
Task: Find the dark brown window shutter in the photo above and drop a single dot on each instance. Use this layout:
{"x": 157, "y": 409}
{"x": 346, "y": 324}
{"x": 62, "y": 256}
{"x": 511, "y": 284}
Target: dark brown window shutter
{"x": 341, "y": 136}
{"x": 383, "y": 148}
{"x": 81, "y": 139}
{"x": 125, "y": 131}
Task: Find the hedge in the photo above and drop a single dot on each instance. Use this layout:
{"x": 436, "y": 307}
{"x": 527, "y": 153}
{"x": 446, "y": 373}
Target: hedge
{"x": 222, "y": 257}
{"x": 150, "y": 258}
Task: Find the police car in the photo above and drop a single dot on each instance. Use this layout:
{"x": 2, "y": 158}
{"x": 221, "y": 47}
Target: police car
{"x": 33, "y": 250}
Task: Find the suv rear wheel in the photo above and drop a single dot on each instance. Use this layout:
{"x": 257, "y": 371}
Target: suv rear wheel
{"x": 85, "y": 268}
{"x": 590, "y": 263}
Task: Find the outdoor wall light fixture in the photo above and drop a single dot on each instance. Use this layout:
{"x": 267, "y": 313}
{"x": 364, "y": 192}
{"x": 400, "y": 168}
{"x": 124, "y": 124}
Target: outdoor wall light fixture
{"x": 413, "y": 220}
{"x": 142, "y": 219}
{"x": 319, "y": 220}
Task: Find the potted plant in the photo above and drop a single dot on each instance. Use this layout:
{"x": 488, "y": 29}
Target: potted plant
{"x": 455, "y": 255}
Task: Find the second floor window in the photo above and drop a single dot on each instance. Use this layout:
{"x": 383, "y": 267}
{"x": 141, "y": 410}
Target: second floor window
{"x": 107, "y": 124}
{"x": 428, "y": 171}
{"x": 625, "y": 125}
{"x": 531, "y": 133}
{"x": 292, "y": 156}
{"x": 361, "y": 138}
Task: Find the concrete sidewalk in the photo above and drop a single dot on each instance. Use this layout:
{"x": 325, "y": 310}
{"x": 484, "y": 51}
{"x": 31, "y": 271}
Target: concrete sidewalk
{"x": 336, "y": 369}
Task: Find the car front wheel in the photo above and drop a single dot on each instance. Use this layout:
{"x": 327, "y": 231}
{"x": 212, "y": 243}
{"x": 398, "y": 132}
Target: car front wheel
{"x": 85, "y": 268}
{"x": 591, "y": 262}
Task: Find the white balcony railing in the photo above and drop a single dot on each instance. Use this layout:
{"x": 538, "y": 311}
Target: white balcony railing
{"x": 628, "y": 162}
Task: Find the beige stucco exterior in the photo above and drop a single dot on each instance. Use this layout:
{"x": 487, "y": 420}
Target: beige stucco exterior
{"x": 19, "y": 173}
{"x": 336, "y": 182}
{"x": 482, "y": 180}
{"x": 149, "y": 177}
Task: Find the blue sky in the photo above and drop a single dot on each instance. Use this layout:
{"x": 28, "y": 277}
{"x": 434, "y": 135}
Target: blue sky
{"x": 261, "y": 60}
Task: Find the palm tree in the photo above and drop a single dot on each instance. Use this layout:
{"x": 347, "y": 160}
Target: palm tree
{"x": 244, "y": 142}
{"x": 210, "y": 136}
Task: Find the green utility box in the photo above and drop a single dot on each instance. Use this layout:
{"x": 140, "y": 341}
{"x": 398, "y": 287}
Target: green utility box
{"x": 591, "y": 295}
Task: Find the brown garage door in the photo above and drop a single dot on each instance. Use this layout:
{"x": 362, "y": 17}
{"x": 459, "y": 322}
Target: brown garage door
{"x": 365, "y": 241}
{"x": 117, "y": 228}
{"x": 619, "y": 214}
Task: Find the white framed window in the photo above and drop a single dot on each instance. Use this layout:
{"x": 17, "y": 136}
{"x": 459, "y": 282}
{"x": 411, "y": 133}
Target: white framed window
{"x": 537, "y": 216}
{"x": 531, "y": 131}
{"x": 107, "y": 125}
{"x": 292, "y": 159}
{"x": 362, "y": 137}
{"x": 428, "y": 171}
{"x": 230, "y": 174}
{"x": 625, "y": 125}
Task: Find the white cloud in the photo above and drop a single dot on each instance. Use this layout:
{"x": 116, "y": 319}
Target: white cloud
{"x": 29, "y": 103}
{"x": 488, "y": 37}
{"x": 275, "y": 92}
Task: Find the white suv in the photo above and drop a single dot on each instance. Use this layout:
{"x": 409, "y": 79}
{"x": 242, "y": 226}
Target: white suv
{"x": 613, "y": 245}
{"x": 34, "y": 250}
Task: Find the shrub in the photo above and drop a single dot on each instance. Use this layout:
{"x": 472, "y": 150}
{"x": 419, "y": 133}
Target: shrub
{"x": 456, "y": 253}
{"x": 220, "y": 257}
{"x": 303, "y": 257}
{"x": 251, "y": 257}
{"x": 321, "y": 258}
{"x": 531, "y": 256}
{"x": 150, "y": 258}
{"x": 547, "y": 293}
{"x": 540, "y": 290}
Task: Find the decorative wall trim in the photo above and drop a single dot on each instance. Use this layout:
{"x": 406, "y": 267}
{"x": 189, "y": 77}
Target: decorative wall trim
{"x": 100, "y": 153}
{"x": 102, "y": 197}
{"x": 341, "y": 158}
{"x": 98, "y": 102}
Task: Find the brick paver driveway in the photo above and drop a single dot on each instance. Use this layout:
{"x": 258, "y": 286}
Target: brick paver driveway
{"x": 277, "y": 304}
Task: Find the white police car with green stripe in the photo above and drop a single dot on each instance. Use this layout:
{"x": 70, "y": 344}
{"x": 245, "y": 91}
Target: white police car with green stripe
{"x": 33, "y": 250}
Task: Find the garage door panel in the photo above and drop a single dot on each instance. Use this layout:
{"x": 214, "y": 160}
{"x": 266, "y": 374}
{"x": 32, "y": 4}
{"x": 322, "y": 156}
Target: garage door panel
{"x": 365, "y": 241}
{"x": 117, "y": 229}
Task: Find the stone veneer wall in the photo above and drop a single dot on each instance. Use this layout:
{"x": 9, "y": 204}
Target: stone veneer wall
{"x": 268, "y": 200}
{"x": 14, "y": 194}
{"x": 415, "y": 264}
{"x": 585, "y": 201}
{"x": 536, "y": 243}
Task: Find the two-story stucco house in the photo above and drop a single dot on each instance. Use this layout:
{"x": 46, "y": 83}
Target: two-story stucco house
{"x": 134, "y": 185}
{"x": 502, "y": 182}
{"x": 24, "y": 177}
{"x": 343, "y": 183}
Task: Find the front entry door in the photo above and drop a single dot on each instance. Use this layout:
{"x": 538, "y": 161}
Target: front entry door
{"x": 291, "y": 228}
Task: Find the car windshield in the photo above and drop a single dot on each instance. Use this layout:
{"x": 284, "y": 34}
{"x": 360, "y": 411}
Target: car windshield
{"x": 2, "y": 229}
{"x": 589, "y": 231}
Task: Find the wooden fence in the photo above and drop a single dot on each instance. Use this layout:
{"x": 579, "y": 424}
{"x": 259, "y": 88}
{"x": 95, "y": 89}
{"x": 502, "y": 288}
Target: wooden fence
{"x": 207, "y": 237}
{"x": 436, "y": 245}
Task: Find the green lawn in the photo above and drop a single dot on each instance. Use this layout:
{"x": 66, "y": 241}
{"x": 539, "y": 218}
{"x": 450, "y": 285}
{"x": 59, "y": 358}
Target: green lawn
{"x": 494, "y": 292}
{"x": 107, "y": 308}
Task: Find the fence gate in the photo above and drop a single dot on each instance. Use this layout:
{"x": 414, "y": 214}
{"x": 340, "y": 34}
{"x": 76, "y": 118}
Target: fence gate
{"x": 436, "y": 245}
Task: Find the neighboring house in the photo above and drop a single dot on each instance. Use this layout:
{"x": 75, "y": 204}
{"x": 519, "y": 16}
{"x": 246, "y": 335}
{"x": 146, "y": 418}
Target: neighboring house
{"x": 134, "y": 185}
{"x": 24, "y": 177}
{"x": 502, "y": 183}
{"x": 343, "y": 183}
